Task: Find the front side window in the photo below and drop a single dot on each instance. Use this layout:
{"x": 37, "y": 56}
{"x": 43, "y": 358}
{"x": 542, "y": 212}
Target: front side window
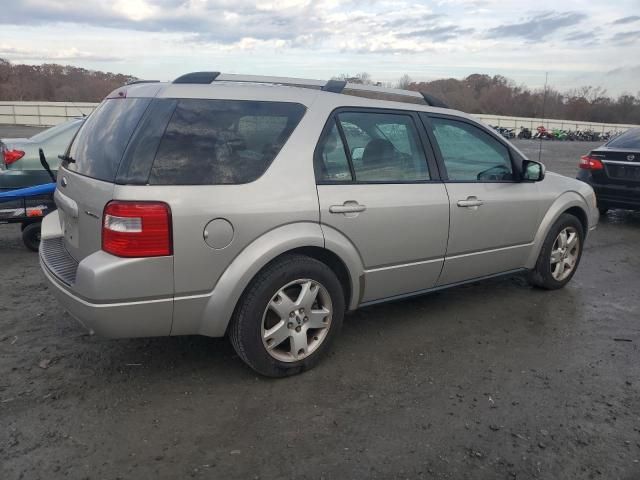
{"x": 214, "y": 142}
{"x": 382, "y": 147}
{"x": 469, "y": 154}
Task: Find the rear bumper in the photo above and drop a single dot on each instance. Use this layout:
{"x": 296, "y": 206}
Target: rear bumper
{"x": 114, "y": 320}
{"x": 612, "y": 195}
{"x": 111, "y": 296}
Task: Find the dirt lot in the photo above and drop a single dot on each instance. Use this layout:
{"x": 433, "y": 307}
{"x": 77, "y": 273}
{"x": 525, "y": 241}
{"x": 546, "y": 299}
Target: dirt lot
{"x": 494, "y": 380}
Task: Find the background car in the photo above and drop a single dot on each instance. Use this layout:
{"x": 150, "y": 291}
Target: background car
{"x": 613, "y": 170}
{"x": 20, "y": 163}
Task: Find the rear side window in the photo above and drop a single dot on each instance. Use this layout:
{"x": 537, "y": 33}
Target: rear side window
{"x": 214, "y": 142}
{"x": 332, "y": 164}
{"x": 376, "y": 148}
{"x": 98, "y": 147}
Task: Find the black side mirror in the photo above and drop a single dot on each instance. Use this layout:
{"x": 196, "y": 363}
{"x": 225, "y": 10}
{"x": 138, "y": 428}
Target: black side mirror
{"x": 532, "y": 171}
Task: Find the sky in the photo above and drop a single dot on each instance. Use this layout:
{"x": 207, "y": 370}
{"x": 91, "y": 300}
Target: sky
{"x": 577, "y": 42}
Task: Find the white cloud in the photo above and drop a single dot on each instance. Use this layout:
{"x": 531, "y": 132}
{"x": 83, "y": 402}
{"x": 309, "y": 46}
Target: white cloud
{"x": 164, "y": 38}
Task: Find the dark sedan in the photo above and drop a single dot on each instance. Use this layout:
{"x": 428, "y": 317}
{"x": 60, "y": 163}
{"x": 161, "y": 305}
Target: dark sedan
{"x": 613, "y": 170}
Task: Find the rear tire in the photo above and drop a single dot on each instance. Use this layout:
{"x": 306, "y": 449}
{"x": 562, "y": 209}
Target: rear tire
{"x": 560, "y": 254}
{"x": 31, "y": 236}
{"x": 603, "y": 210}
{"x": 288, "y": 316}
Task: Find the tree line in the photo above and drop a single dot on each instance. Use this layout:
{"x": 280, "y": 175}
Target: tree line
{"x": 51, "y": 82}
{"x": 476, "y": 93}
{"x": 498, "y": 95}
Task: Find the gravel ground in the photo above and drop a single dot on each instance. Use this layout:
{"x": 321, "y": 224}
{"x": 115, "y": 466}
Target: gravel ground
{"x": 494, "y": 380}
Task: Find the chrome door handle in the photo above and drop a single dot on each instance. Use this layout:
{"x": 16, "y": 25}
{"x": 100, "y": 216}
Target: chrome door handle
{"x": 470, "y": 202}
{"x": 347, "y": 207}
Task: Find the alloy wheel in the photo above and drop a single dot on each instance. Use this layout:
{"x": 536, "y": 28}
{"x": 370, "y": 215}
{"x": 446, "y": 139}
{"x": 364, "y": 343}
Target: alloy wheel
{"x": 565, "y": 253}
{"x": 296, "y": 320}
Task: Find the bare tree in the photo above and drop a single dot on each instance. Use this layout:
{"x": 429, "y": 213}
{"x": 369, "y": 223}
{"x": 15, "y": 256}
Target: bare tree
{"x": 404, "y": 81}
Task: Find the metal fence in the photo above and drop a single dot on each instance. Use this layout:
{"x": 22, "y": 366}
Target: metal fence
{"x": 53, "y": 113}
{"x": 550, "y": 124}
{"x": 42, "y": 113}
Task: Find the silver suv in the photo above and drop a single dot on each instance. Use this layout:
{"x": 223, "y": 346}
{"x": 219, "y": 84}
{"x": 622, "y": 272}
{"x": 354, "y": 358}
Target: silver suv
{"x": 264, "y": 208}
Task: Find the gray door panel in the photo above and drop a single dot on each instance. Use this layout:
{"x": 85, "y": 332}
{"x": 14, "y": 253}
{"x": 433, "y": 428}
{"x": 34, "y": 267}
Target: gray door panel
{"x": 495, "y": 235}
{"x": 401, "y": 234}
{"x": 494, "y": 216}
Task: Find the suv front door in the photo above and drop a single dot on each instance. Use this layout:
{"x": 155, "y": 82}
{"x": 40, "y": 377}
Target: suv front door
{"x": 494, "y": 215}
{"x": 379, "y": 189}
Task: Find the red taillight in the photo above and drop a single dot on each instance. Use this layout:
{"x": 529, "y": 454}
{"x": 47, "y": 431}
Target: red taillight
{"x": 12, "y": 156}
{"x": 590, "y": 163}
{"x": 137, "y": 229}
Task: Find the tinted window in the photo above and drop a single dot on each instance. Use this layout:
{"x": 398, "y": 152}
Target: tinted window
{"x": 469, "y": 154}
{"x": 141, "y": 151}
{"x": 384, "y": 147}
{"x": 629, "y": 139}
{"x": 332, "y": 164}
{"x": 100, "y": 142}
{"x": 209, "y": 142}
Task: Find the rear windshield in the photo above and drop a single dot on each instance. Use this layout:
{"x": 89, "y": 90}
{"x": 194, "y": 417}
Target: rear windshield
{"x": 629, "y": 139}
{"x": 101, "y": 141}
{"x": 212, "y": 142}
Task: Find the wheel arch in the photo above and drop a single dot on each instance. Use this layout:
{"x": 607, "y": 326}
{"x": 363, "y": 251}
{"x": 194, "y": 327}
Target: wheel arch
{"x": 581, "y": 215}
{"x": 569, "y": 202}
{"x": 217, "y": 307}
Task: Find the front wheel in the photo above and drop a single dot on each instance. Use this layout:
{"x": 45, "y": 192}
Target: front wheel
{"x": 31, "y": 236}
{"x": 288, "y": 316}
{"x": 560, "y": 254}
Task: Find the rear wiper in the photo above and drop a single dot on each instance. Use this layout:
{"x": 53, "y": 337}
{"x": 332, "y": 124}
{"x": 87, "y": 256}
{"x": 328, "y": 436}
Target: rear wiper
{"x": 45, "y": 165}
{"x": 67, "y": 158}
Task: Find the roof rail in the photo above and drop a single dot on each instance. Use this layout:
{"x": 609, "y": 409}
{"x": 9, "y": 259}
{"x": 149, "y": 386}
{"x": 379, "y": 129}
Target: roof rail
{"x": 433, "y": 101}
{"x": 135, "y": 82}
{"x": 197, "y": 77}
{"x": 296, "y": 82}
{"x": 333, "y": 86}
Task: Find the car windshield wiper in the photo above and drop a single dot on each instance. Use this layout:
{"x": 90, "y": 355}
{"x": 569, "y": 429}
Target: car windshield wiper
{"x": 67, "y": 158}
{"x": 45, "y": 165}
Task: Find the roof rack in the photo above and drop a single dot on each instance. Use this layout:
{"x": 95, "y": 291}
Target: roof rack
{"x": 333, "y": 86}
{"x": 135, "y": 82}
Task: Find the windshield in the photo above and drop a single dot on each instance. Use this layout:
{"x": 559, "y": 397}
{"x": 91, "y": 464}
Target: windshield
{"x": 57, "y": 130}
{"x": 98, "y": 147}
{"x": 629, "y": 139}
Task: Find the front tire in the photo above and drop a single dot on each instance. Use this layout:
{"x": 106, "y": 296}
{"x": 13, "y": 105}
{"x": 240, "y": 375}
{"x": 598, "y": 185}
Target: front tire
{"x": 288, "y": 316}
{"x": 560, "y": 254}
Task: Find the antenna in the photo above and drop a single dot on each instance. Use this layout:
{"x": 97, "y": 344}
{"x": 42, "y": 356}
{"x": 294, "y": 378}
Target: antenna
{"x": 73, "y": 104}
{"x": 544, "y": 103}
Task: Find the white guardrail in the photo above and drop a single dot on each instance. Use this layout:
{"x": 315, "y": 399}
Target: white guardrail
{"x": 42, "y": 113}
{"x": 53, "y": 113}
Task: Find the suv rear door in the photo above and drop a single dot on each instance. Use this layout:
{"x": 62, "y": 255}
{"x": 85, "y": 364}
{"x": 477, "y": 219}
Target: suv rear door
{"x": 86, "y": 181}
{"x": 379, "y": 187}
{"x": 494, "y": 215}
